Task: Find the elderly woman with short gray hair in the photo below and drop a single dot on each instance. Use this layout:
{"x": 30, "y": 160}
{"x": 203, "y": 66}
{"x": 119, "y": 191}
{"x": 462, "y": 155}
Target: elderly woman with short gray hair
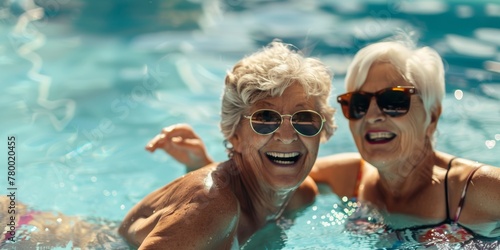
{"x": 275, "y": 112}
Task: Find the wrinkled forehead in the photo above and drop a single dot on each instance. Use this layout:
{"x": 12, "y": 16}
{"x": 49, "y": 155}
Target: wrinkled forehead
{"x": 288, "y": 102}
{"x": 382, "y": 75}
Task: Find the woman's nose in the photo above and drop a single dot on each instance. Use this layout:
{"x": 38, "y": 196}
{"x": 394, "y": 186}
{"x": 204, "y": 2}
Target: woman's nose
{"x": 374, "y": 114}
{"x": 286, "y": 133}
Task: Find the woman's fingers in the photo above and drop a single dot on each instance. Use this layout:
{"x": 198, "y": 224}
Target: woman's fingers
{"x": 183, "y": 144}
{"x": 171, "y": 135}
{"x": 157, "y": 142}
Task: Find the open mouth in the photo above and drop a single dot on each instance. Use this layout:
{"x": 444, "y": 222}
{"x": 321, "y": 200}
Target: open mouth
{"x": 379, "y": 137}
{"x": 283, "y": 158}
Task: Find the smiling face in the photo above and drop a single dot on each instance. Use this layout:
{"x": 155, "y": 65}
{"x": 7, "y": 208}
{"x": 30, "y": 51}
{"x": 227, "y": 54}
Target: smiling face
{"x": 383, "y": 140}
{"x": 284, "y": 158}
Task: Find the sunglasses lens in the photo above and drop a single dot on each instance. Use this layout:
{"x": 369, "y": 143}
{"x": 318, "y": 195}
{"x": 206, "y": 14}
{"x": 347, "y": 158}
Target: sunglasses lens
{"x": 307, "y": 123}
{"x": 394, "y": 103}
{"x": 358, "y": 105}
{"x": 344, "y": 104}
{"x": 265, "y": 121}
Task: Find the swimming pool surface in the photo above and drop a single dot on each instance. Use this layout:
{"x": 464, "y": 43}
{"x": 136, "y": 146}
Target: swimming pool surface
{"x": 85, "y": 84}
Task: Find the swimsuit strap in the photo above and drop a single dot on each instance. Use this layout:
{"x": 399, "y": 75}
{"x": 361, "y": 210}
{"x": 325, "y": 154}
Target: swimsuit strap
{"x": 464, "y": 191}
{"x": 446, "y": 189}
{"x": 358, "y": 179}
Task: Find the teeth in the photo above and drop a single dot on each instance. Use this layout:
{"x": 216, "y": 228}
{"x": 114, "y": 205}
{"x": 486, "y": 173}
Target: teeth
{"x": 284, "y": 162}
{"x": 380, "y": 135}
{"x": 283, "y": 158}
{"x": 282, "y": 155}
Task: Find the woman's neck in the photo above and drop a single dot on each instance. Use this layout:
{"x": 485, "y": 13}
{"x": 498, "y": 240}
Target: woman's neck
{"x": 258, "y": 200}
{"x": 405, "y": 194}
{"x": 405, "y": 178}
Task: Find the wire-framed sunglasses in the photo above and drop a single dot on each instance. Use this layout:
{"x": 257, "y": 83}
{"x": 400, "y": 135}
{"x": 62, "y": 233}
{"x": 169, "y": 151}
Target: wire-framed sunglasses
{"x": 393, "y": 101}
{"x": 266, "y": 121}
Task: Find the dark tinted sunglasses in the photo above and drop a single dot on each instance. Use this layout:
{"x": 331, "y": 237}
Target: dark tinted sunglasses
{"x": 394, "y": 101}
{"x": 305, "y": 122}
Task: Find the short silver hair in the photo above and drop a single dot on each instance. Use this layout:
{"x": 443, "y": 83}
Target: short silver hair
{"x": 421, "y": 67}
{"x": 267, "y": 73}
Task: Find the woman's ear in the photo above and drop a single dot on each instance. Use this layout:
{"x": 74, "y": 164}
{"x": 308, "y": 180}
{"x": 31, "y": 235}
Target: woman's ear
{"x": 435, "y": 114}
{"x": 235, "y": 141}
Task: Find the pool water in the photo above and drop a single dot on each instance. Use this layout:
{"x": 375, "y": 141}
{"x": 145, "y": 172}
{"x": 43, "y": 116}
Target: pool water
{"x": 86, "y": 84}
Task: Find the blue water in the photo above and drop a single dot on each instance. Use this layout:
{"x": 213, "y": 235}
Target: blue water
{"x": 85, "y": 85}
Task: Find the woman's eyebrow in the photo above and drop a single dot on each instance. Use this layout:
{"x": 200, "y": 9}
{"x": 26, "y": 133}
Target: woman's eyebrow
{"x": 303, "y": 105}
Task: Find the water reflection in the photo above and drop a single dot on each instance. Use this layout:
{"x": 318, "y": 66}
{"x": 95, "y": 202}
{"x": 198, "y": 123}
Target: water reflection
{"x": 128, "y": 17}
{"x": 125, "y": 68}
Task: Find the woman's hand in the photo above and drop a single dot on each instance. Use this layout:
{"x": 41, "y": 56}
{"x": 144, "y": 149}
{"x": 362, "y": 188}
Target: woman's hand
{"x": 182, "y": 143}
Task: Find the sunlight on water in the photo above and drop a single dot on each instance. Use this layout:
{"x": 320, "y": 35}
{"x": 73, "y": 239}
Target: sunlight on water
{"x": 471, "y": 47}
{"x": 352, "y": 225}
{"x": 27, "y": 50}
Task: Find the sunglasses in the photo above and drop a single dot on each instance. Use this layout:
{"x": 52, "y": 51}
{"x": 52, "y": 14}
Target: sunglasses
{"x": 266, "y": 121}
{"x": 393, "y": 101}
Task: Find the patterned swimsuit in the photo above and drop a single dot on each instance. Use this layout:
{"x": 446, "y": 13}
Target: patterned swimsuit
{"x": 448, "y": 230}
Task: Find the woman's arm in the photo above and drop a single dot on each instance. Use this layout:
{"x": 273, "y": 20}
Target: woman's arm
{"x": 339, "y": 171}
{"x": 181, "y": 142}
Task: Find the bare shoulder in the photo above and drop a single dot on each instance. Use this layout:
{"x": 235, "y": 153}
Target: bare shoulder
{"x": 207, "y": 217}
{"x": 483, "y": 177}
{"x": 482, "y": 197}
{"x": 485, "y": 184}
{"x": 200, "y": 205}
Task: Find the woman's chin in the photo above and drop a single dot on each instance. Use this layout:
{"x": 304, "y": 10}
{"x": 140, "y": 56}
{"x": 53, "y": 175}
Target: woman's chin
{"x": 285, "y": 183}
{"x": 377, "y": 159}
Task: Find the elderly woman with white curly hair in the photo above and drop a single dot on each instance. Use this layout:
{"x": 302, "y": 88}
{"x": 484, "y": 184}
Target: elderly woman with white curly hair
{"x": 275, "y": 112}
